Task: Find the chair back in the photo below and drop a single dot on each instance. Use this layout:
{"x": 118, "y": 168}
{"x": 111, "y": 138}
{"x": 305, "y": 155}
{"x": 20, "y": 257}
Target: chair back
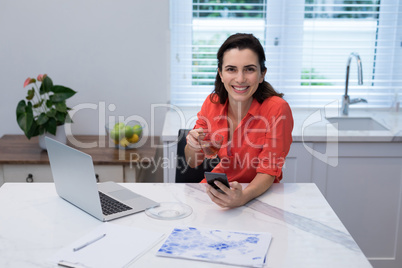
{"x": 184, "y": 173}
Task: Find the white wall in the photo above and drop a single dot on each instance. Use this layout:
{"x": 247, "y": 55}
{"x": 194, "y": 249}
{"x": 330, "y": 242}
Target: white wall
{"x": 110, "y": 51}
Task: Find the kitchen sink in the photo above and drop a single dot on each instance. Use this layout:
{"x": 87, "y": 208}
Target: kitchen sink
{"x": 356, "y": 123}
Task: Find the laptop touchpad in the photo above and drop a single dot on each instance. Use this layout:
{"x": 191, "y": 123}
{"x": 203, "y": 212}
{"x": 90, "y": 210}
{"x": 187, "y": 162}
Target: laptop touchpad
{"x": 123, "y": 194}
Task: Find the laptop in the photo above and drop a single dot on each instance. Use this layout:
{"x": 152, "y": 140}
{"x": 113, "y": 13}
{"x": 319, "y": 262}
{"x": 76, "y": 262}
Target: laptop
{"x": 74, "y": 177}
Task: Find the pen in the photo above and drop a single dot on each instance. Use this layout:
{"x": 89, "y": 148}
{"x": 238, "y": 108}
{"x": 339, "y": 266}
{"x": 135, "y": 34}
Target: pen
{"x": 69, "y": 264}
{"x": 89, "y": 243}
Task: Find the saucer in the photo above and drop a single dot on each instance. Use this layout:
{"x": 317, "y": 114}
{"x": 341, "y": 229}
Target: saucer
{"x": 169, "y": 211}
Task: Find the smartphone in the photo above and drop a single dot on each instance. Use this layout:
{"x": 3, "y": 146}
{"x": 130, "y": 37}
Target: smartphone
{"x": 211, "y": 177}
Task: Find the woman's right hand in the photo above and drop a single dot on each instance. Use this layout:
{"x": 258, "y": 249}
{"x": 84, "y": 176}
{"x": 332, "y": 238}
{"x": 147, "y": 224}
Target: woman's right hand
{"x": 193, "y": 152}
{"x": 192, "y": 139}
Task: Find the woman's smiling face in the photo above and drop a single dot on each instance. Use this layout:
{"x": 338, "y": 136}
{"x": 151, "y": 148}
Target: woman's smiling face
{"x": 241, "y": 74}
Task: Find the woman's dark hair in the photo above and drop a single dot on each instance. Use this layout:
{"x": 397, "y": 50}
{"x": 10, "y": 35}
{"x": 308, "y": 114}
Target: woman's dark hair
{"x": 243, "y": 41}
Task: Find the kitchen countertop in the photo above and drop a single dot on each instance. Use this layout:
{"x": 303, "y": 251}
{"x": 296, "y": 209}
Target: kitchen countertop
{"x": 310, "y": 125}
{"x": 17, "y": 149}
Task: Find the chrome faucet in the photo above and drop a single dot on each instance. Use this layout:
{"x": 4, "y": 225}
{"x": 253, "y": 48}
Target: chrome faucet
{"x": 346, "y": 101}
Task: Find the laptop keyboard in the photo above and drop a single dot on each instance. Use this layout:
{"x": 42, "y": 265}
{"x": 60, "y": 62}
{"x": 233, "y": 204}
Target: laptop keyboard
{"x": 111, "y": 206}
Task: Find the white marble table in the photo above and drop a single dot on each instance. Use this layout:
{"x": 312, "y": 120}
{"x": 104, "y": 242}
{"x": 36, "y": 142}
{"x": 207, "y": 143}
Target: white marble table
{"x": 35, "y": 223}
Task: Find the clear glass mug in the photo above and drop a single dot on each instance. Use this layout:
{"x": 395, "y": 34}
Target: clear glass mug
{"x": 210, "y": 143}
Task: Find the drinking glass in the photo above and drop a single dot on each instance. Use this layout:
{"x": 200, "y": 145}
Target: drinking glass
{"x": 210, "y": 143}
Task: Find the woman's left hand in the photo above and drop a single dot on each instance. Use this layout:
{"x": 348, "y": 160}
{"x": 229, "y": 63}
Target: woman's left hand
{"x": 230, "y": 198}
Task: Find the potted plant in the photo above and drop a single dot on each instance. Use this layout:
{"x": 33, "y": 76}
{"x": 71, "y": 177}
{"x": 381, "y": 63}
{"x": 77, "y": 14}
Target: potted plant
{"x": 44, "y": 109}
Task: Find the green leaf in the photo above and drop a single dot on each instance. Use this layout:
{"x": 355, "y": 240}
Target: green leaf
{"x": 41, "y": 130}
{"x": 61, "y": 93}
{"x": 23, "y": 121}
{"x": 61, "y": 107}
{"x": 31, "y": 94}
{"x": 21, "y": 107}
{"x": 51, "y": 113}
{"x": 60, "y": 117}
{"x": 33, "y": 131}
{"x": 51, "y": 126}
{"x": 25, "y": 118}
{"x": 39, "y": 104}
{"x": 42, "y": 119}
{"x": 46, "y": 85}
{"x": 49, "y": 103}
{"x": 68, "y": 119}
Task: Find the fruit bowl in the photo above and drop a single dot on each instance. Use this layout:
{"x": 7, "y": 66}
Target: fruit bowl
{"x": 125, "y": 135}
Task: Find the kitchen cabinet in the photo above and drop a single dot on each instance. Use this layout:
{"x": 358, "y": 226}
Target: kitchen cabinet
{"x": 43, "y": 173}
{"x": 22, "y": 160}
{"x": 365, "y": 190}
{"x": 298, "y": 164}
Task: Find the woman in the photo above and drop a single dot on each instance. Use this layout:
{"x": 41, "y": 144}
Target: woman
{"x": 255, "y": 121}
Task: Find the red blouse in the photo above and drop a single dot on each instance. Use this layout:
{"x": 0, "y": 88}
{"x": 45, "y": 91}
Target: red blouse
{"x": 260, "y": 142}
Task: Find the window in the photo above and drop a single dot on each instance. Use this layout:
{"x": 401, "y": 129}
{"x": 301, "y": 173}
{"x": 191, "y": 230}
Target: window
{"x": 307, "y": 44}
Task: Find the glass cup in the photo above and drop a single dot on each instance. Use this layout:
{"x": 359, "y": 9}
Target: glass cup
{"x": 210, "y": 144}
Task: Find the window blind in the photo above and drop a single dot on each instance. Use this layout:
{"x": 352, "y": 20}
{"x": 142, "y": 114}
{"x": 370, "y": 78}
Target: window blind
{"x": 307, "y": 44}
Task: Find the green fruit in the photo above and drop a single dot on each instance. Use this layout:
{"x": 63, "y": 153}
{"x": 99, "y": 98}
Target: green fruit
{"x": 137, "y": 129}
{"x": 119, "y": 125}
{"x": 128, "y": 132}
{"x": 115, "y": 134}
